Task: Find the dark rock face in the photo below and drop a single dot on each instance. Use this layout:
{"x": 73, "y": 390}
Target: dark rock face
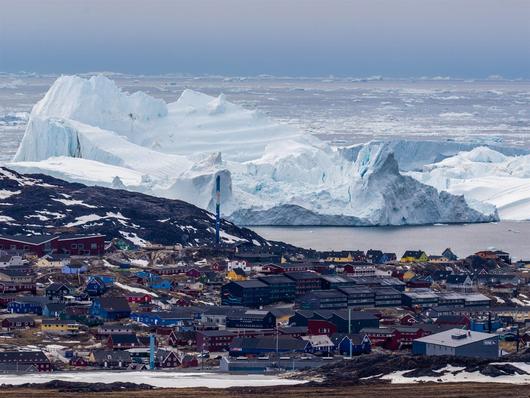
{"x": 369, "y": 368}
{"x": 39, "y": 204}
{"x": 73, "y": 386}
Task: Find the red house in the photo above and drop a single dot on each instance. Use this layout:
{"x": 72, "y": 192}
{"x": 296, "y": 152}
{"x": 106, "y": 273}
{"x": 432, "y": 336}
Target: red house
{"x": 394, "y": 338}
{"x": 189, "y": 361}
{"x": 79, "y": 362}
{"x": 140, "y": 298}
{"x": 193, "y": 273}
{"x": 319, "y": 327}
{"x": 219, "y": 267}
{"x": 85, "y": 245}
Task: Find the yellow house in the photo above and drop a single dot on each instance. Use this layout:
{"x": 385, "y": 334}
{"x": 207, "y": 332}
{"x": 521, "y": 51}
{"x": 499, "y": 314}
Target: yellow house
{"x": 59, "y": 326}
{"x": 408, "y": 275}
{"x": 414, "y": 256}
{"x": 236, "y": 275}
{"x": 438, "y": 259}
{"x": 341, "y": 258}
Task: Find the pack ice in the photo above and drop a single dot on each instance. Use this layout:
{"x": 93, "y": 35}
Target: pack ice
{"x": 89, "y": 131}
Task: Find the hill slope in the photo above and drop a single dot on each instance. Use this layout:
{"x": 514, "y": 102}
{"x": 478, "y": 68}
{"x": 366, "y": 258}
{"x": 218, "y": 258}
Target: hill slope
{"x": 41, "y": 204}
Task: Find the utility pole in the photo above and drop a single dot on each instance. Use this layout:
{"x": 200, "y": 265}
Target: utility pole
{"x": 217, "y": 209}
{"x": 349, "y": 332}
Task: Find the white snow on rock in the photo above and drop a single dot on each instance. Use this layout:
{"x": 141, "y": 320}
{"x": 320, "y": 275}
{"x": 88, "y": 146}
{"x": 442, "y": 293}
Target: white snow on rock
{"x": 74, "y": 202}
{"x": 89, "y": 131}
{"x": 134, "y": 289}
{"x": 484, "y": 176}
{"x": 458, "y": 375}
{"x": 4, "y": 193}
{"x": 161, "y": 379}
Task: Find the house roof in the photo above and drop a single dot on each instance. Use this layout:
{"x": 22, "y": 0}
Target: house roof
{"x": 457, "y": 279}
{"x": 320, "y": 340}
{"x": 413, "y": 253}
{"x": 456, "y": 338}
{"x": 250, "y": 284}
{"x": 331, "y": 293}
{"x": 302, "y": 275}
{"x": 124, "y": 338}
{"x": 23, "y": 357}
{"x": 55, "y": 286}
{"x": 21, "y": 319}
{"x": 33, "y": 240}
{"x": 276, "y": 280}
{"x": 117, "y": 304}
{"x": 111, "y": 355}
{"x": 55, "y": 307}
{"x": 420, "y": 294}
{"x": 58, "y": 322}
{"x": 355, "y": 338}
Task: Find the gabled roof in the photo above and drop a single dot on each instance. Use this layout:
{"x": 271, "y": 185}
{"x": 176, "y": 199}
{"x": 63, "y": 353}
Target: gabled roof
{"x": 355, "y": 338}
{"x": 114, "y": 304}
{"x": 23, "y": 357}
{"x": 457, "y": 279}
{"x": 33, "y": 240}
{"x": 413, "y": 253}
{"x": 124, "y": 338}
{"x": 101, "y": 356}
{"x": 317, "y": 341}
{"x": 55, "y": 286}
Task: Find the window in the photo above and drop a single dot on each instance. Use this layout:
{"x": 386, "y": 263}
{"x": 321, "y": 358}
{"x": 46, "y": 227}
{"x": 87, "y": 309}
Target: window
{"x": 74, "y": 246}
{"x": 94, "y": 246}
{"x": 81, "y": 246}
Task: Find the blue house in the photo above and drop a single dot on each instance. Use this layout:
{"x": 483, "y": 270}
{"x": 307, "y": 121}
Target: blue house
{"x": 74, "y": 269}
{"x": 182, "y": 319}
{"x": 28, "y": 305}
{"x": 154, "y": 281}
{"x": 161, "y": 284}
{"x": 54, "y": 310}
{"x": 110, "y": 308}
{"x": 354, "y": 344}
{"x": 95, "y": 286}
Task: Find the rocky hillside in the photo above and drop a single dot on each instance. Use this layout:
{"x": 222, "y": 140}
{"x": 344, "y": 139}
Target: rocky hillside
{"x": 38, "y": 204}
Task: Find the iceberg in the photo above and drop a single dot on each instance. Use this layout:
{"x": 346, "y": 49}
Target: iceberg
{"x": 485, "y": 177}
{"x": 90, "y": 131}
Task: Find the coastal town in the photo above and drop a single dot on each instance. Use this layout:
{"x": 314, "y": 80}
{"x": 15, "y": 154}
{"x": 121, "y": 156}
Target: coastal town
{"x": 82, "y": 302}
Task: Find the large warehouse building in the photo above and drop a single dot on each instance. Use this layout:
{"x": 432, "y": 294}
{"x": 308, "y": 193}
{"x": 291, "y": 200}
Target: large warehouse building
{"x": 458, "y": 342}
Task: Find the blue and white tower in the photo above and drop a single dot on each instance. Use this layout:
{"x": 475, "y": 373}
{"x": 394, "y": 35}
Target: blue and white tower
{"x": 217, "y": 209}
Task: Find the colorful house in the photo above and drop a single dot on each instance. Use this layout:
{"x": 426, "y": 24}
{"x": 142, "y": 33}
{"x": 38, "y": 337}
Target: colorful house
{"x": 414, "y": 256}
{"x": 74, "y": 269}
{"x": 59, "y": 326}
{"x": 110, "y": 308}
{"x": 236, "y": 275}
{"x": 351, "y": 344}
{"x": 95, "y": 286}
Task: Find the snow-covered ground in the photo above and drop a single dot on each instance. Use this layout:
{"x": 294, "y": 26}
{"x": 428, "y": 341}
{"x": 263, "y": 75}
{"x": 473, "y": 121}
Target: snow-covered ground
{"x": 157, "y": 379}
{"x": 89, "y": 131}
{"x": 134, "y": 289}
{"x": 457, "y": 375}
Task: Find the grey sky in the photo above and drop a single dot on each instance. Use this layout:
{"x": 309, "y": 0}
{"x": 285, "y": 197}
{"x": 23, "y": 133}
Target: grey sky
{"x": 473, "y": 38}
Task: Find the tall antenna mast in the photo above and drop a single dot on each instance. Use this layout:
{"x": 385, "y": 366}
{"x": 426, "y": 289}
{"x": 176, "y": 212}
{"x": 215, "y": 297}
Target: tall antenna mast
{"x": 217, "y": 209}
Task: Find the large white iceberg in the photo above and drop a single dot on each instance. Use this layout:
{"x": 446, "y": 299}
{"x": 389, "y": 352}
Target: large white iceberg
{"x": 89, "y": 131}
{"x": 484, "y": 176}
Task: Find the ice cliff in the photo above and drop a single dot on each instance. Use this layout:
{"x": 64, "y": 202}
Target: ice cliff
{"x": 89, "y": 131}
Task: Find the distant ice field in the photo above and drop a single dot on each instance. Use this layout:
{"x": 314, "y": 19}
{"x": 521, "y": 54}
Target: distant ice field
{"x": 342, "y": 111}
